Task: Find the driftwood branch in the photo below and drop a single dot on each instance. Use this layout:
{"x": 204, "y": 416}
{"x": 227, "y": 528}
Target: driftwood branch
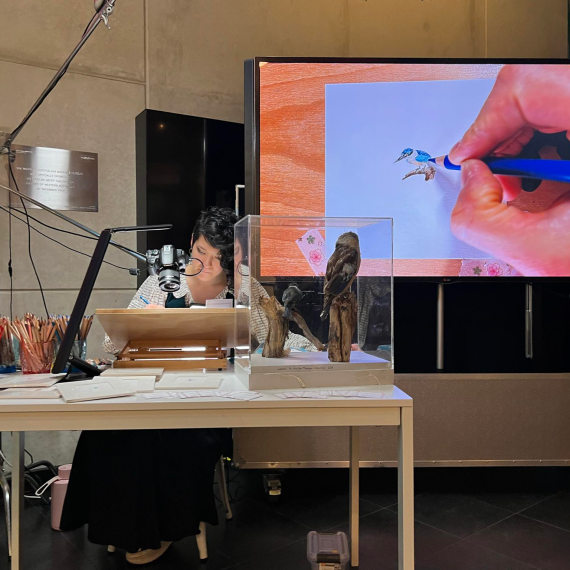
{"x": 343, "y": 315}
{"x": 297, "y": 317}
{"x": 278, "y": 328}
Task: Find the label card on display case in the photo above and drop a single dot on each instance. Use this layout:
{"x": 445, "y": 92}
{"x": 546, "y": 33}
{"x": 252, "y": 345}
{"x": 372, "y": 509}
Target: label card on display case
{"x": 60, "y": 179}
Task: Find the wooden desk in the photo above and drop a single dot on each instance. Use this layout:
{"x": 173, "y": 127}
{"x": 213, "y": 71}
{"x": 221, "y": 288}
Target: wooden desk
{"x": 136, "y": 412}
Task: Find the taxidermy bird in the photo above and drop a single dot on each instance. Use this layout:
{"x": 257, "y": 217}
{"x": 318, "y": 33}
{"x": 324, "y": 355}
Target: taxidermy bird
{"x": 342, "y": 269}
{"x": 291, "y": 296}
{"x": 418, "y": 158}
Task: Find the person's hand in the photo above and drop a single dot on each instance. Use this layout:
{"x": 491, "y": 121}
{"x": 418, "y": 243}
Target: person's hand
{"x": 151, "y": 306}
{"x": 525, "y": 98}
{"x": 355, "y": 347}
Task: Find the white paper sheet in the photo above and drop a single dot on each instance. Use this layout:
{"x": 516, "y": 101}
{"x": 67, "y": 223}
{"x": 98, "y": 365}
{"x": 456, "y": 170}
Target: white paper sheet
{"x": 367, "y": 127}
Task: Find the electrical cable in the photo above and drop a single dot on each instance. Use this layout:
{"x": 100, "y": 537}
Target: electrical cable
{"x": 58, "y": 242}
{"x": 29, "y": 237}
{"x": 61, "y": 230}
{"x": 10, "y": 260}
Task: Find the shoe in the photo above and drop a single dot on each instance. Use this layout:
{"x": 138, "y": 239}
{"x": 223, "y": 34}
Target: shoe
{"x": 147, "y": 556}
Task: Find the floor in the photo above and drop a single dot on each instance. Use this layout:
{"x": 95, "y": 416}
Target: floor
{"x": 466, "y": 519}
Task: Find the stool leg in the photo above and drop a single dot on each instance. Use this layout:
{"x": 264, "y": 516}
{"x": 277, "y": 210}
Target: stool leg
{"x": 223, "y": 486}
{"x": 202, "y": 543}
{"x": 6, "y": 493}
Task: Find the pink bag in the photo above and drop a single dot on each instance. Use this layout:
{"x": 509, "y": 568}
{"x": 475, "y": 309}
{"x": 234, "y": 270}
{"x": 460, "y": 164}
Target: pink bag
{"x": 58, "y": 491}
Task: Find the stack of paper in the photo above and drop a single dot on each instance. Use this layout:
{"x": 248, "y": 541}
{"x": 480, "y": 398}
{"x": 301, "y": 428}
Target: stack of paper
{"x": 30, "y": 380}
{"x": 30, "y": 394}
{"x": 156, "y": 372}
{"x": 138, "y": 384}
{"x": 88, "y": 390}
{"x": 219, "y": 303}
{"x": 190, "y": 382}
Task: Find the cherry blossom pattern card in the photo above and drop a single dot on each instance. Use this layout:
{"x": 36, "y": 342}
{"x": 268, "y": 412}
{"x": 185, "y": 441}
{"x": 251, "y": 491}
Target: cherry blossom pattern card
{"x": 312, "y": 246}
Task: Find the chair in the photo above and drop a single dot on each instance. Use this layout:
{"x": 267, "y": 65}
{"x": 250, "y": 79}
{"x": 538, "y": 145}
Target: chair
{"x": 201, "y": 539}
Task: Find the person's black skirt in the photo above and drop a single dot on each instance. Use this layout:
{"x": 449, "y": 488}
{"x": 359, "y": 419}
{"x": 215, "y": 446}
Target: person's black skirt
{"x": 136, "y": 488}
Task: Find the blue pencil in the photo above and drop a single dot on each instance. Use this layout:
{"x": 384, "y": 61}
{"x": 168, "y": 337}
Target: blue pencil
{"x": 536, "y": 168}
{"x": 143, "y": 299}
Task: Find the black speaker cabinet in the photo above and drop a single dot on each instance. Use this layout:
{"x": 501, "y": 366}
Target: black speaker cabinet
{"x": 184, "y": 165}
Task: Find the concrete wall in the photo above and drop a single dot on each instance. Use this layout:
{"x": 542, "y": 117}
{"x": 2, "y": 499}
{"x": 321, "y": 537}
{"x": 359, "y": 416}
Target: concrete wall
{"x": 92, "y": 109}
{"x": 187, "y": 57}
{"x": 196, "y": 49}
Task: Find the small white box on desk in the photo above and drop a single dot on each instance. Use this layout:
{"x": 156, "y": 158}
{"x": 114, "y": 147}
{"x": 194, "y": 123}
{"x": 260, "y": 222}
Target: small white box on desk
{"x": 313, "y": 370}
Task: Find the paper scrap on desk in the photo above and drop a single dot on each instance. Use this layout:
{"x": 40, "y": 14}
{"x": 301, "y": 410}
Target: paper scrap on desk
{"x": 354, "y": 394}
{"x": 189, "y": 382}
{"x": 324, "y": 394}
{"x": 219, "y": 303}
{"x": 138, "y": 384}
{"x": 193, "y": 394}
{"x": 243, "y": 395}
{"x": 30, "y": 394}
{"x": 30, "y": 381}
{"x": 302, "y": 395}
{"x": 371, "y": 395}
{"x": 133, "y": 372}
{"x": 162, "y": 395}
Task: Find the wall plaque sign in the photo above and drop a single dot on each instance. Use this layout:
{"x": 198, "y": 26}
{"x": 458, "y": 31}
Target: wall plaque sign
{"x": 60, "y": 179}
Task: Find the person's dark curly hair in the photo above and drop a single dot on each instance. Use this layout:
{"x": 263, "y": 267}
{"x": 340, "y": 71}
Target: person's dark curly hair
{"x": 216, "y": 226}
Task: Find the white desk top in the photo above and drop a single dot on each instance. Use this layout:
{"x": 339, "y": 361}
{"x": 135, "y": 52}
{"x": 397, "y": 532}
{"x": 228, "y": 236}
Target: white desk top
{"x": 392, "y": 397}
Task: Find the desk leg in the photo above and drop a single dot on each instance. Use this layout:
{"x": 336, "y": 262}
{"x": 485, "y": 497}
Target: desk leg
{"x": 18, "y": 438}
{"x": 354, "y": 495}
{"x": 406, "y": 490}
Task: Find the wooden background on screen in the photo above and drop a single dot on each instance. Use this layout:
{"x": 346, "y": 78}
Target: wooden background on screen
{"x": 292, "y": 154}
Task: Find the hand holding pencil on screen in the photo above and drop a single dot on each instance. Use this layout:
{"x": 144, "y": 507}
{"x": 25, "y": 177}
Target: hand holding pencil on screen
{"x": 525, "y": 99}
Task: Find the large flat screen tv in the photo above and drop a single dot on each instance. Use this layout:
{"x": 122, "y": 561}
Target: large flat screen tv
{"x": 323, "y": 138}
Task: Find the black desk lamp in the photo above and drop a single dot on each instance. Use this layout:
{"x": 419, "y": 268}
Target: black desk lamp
{"x": 64, "y": 356}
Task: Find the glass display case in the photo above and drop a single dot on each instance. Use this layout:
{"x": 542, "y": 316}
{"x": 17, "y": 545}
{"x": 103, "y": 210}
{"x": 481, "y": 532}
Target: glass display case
{"x": 314, "y": 301}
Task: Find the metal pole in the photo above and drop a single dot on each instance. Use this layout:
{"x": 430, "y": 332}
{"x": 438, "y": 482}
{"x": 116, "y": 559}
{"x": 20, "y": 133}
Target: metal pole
{"x": 18, "y": 469}
{"x": 528, "y": 341}
{"x": 440, "y": 327}
{"x": 238, "y": 187}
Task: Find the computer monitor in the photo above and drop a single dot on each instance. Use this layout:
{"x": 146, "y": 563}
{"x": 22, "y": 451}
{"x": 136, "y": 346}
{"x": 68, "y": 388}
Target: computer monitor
{"x": 343, "y": 137}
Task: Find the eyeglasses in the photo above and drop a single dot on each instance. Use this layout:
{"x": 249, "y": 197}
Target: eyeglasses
{"x": 199, "y": 267}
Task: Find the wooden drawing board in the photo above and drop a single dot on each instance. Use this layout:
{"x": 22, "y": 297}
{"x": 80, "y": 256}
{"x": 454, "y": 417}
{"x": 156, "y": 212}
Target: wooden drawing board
{"x": 123, "y": 325}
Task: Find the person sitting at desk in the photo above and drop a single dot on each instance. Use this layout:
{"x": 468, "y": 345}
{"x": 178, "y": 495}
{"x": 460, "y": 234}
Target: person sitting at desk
{"x": 141, "y": 490}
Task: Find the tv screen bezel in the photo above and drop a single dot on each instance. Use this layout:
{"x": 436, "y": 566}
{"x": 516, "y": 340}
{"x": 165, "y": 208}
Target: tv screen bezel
{"x": 252, "y": 136}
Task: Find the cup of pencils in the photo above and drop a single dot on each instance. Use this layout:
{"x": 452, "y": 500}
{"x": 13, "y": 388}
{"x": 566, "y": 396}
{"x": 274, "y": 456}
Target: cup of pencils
{"x": 79, "y": 347}
{"x": 7, "y": 355}
{"x": 37, "y": 343}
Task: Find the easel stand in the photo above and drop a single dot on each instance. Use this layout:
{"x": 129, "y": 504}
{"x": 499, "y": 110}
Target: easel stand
{"x": 173, "y": 355}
